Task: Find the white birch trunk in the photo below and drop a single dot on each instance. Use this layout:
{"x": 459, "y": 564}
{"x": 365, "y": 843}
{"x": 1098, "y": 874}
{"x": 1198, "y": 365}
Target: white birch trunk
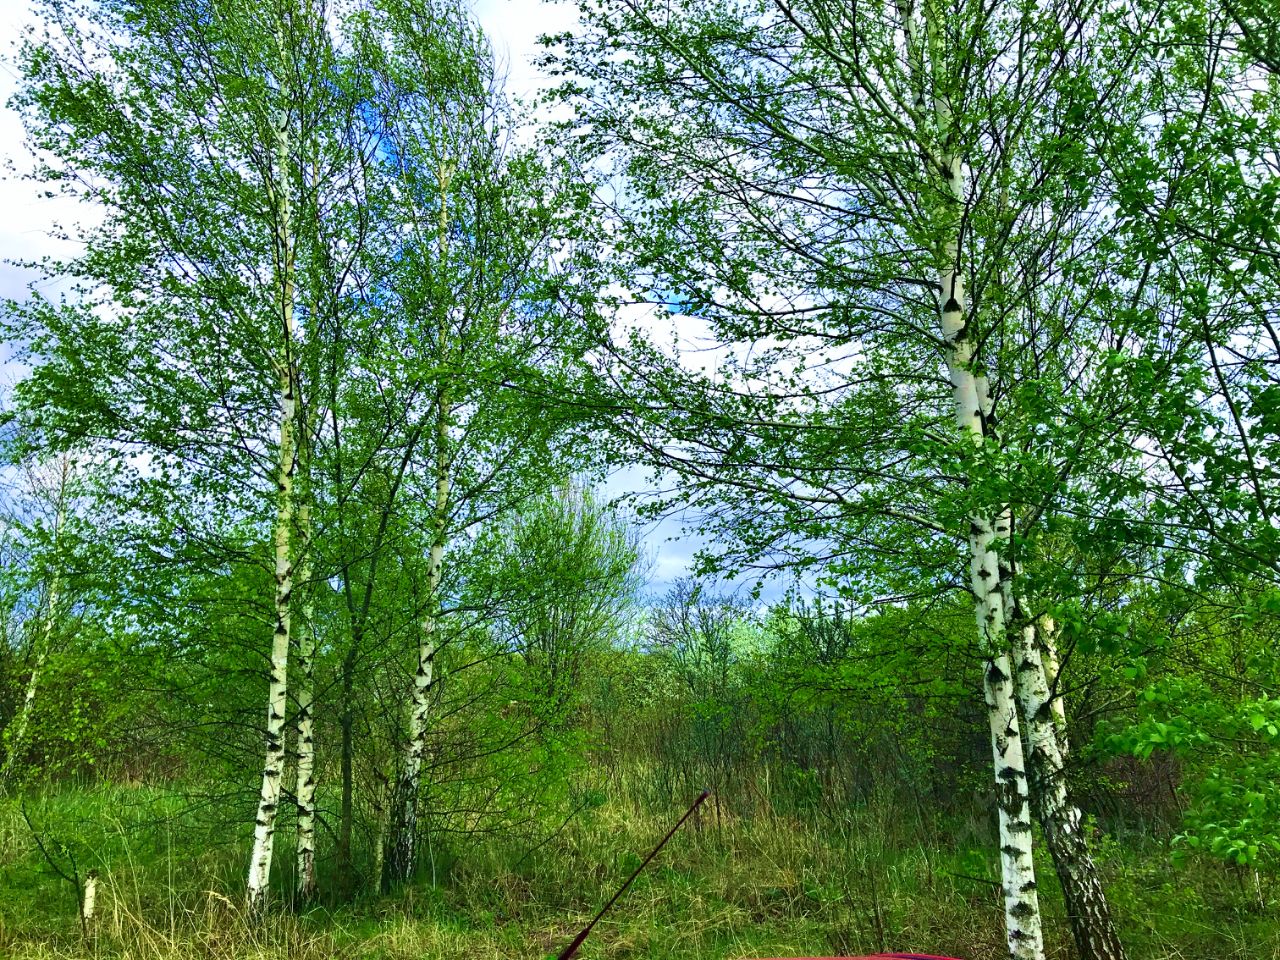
{"x": 89, "y": 898}
{"x": 273, "y": 765}
{"x": 402, "y": 842}
{"x": 42, "y": 642}
{"x": 17, "y": 733}
{"x": 399, "y": 862}
{"x": 380, "y": 841}
{"x": 1023, "y": 926}
{"x": 305, "y": 723}
{"x": 1060, "y": 820}
{"x": 1047, "y": 636}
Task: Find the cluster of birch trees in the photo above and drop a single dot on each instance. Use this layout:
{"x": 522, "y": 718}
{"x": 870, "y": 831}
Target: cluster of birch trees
{"x": 992, "y": 287}
{"x": 301, "y": 340}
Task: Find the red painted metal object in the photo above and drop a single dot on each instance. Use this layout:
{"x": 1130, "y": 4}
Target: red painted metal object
{"x": 569, "y": 951}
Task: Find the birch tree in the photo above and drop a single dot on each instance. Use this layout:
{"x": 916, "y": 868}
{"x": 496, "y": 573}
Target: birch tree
{"x": 199, "y": 131}
{"x": 50, "y": 613}
{"x": 481, "y": 290}
{"x": 897, "y": 205}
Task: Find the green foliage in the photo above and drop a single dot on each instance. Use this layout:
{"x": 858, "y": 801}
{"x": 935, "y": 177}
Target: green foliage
{"x": 1204, "y": 699}
{"x": 328, "y": 206}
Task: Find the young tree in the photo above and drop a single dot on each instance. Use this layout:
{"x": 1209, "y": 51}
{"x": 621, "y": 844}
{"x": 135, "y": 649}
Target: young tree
{"x": 566, "y": 579}
{"x": 51, "y": 491}
{"x": 481, "y": 295}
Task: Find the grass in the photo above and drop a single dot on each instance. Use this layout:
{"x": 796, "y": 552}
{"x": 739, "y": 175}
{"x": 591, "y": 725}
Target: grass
{"x": 727, "y": 887}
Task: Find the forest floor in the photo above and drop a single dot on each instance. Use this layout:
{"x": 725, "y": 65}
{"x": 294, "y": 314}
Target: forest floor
{"x": 725, "y": 888}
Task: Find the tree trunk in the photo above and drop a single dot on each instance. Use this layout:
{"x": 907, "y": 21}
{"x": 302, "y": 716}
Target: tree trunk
{"x": 972, "y": 402}
{"x": 402, "y": 837}
{"x": 346, "y": 812}
{"x": 273, "y": 765}
{"x": 1060, "y": 821}
{"x": 1046, "y": 636}
{"x": 16, "y": 735}
{"x": 1023, "y": 927}
{"x": 380, "y": 841}
{"x": 306, "y": 791}
{"x": 401, "y": 843}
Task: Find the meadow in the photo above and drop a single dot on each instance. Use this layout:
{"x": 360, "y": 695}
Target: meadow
{"x": 754, "y": 883}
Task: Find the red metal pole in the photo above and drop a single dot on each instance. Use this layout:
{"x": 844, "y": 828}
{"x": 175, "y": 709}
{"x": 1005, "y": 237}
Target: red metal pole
{"x": 571, "y": 949}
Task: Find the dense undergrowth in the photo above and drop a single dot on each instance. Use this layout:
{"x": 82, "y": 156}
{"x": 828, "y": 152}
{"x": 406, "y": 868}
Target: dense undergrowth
{"x": 865, "y": 878}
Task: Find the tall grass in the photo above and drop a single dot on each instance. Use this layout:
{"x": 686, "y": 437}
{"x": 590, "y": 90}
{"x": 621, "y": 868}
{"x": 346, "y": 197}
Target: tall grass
{"x": 734, "y": 884}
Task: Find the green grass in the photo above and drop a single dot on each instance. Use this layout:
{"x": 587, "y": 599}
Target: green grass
{"x": 727, "y": 887}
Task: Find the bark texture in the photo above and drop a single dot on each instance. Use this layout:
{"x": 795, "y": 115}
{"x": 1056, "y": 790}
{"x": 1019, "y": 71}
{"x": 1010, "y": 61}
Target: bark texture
{"x": 43, "y": 640}
{"x": 399, "y": 862}
{"x": 346, "y": 814}
{"x": 287, "y": 464}
{"x": 305, "y": 725}
{"x": 17, "y": 733}
{"x": 1047, "y": 637}
{"x": 1060, "y": 820}
{"x": 401, "y": 845}
{"x": 970, "y": 395}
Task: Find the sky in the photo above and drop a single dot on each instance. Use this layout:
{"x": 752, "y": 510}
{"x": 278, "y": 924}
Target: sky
{"x": 27, "y": 217}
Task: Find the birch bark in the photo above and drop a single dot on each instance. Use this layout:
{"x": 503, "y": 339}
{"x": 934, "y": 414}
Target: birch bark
{"x": 1047, "y": 638}
{"x": 400, "y": 856}
{"x": 1060, "y": 820}
{"x": 306, "y": 789}
{"x": 287, "y": 464}
{"x": 43, "y": 640}
{"x": 18, "y": 732}
{"x": 970, "y": 397}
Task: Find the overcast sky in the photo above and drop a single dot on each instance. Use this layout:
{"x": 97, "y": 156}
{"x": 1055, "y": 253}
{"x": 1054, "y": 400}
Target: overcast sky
{"x": 26, "y": 216}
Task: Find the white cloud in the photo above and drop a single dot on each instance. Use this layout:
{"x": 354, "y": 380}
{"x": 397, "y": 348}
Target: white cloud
{"x": 514, "y": 27}
{"x": 27, "y": 216}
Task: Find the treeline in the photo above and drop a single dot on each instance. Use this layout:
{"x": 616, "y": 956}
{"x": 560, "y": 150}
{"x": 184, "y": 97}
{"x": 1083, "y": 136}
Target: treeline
{"x": 809, "y": 709}
{"x": 806, "y": 710}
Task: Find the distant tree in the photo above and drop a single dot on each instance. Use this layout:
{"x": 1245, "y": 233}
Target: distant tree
{"x": 569, "y": 578}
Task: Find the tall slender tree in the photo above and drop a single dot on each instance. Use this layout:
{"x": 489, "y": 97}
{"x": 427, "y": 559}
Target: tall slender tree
{"x": 205, "y": 133}
{"x": 890, "y": 220}
{"x": 483, "y": 295}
